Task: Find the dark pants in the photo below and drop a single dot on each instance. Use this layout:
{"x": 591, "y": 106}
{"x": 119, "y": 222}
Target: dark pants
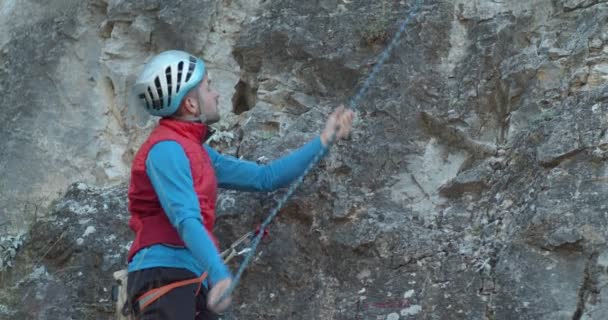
{"x": 180, "y": 303}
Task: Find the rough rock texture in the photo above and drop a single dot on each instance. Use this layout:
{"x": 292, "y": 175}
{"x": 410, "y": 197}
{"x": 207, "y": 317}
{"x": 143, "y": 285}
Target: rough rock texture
{"x": 65, "y": 73}
{"x": 64, "y": 269}
{"x": 473, "y": 185}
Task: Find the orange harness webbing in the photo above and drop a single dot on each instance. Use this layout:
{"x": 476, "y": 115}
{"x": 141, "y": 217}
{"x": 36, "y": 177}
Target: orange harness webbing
{"x": 147, "y": 298}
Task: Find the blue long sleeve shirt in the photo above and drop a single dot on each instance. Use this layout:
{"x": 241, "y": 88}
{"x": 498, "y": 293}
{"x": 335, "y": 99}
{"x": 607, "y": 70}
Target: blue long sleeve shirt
{"x": 168, "y": 168}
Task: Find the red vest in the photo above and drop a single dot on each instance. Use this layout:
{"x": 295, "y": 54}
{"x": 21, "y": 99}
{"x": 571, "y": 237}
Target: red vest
{"x": 148, "y": 219}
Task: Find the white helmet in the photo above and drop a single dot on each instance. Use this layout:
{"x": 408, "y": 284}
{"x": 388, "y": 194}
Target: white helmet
{"x": 166, "y": 79}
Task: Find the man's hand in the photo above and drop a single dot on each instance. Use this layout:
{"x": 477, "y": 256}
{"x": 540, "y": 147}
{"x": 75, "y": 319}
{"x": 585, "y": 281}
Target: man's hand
{"x": 340, "y": 121}
{"x": 216, "y": 292}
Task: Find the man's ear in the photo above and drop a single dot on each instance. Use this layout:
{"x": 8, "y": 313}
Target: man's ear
{"x": 190, "y": 104}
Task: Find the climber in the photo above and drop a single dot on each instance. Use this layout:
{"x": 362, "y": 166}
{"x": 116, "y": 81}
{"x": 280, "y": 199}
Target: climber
{"x": 174, "y": 269}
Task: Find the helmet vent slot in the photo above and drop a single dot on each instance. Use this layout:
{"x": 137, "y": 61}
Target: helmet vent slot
{"x": 169, "y": 85}
{"x": 143, "y": 97}
{"x": 190, "y": 68}
{"x": 180, "y": 69}
{"x": 155, "y": 103}
{"x": 159, "y": 90}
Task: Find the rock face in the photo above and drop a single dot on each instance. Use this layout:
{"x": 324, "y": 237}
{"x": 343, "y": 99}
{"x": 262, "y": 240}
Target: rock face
{"x": 473, "y": 185}
{"x": 65, "y": 74}
{"x": 64, "y": 269}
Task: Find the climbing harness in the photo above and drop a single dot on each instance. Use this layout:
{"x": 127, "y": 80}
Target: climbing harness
{"x": 353, "y": 104}
{"x": 124, "y": 309}
{"x": 147, "y": 298}
{"x": 119, "y": 290}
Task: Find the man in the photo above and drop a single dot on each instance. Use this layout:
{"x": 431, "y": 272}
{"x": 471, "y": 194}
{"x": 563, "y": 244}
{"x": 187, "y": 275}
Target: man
{"x": 173, "y": 190}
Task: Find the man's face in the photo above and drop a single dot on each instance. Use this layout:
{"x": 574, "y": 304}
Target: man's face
{"x": 207, "y": 99}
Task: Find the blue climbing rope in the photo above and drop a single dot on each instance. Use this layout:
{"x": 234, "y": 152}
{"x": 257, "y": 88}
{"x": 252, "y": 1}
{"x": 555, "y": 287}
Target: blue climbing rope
{"x": 352, "y": 105}
{"x": 354, "y": 102}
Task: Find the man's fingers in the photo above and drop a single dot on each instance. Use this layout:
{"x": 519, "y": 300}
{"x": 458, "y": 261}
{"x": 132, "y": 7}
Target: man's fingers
{"x": 216, "y": 293}
{"x": 340, "y": 129}
{"x": 212, "y": 298}
{"x": 340, "y": 121}
{"x": 219, "y": 307}
{"x": 339, "y": 111}
{"x": 346, "y": 123}
{"x": 345, "y": 129}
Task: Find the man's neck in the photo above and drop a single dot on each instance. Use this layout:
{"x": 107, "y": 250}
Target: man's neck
{"x": 187, "y": 118}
